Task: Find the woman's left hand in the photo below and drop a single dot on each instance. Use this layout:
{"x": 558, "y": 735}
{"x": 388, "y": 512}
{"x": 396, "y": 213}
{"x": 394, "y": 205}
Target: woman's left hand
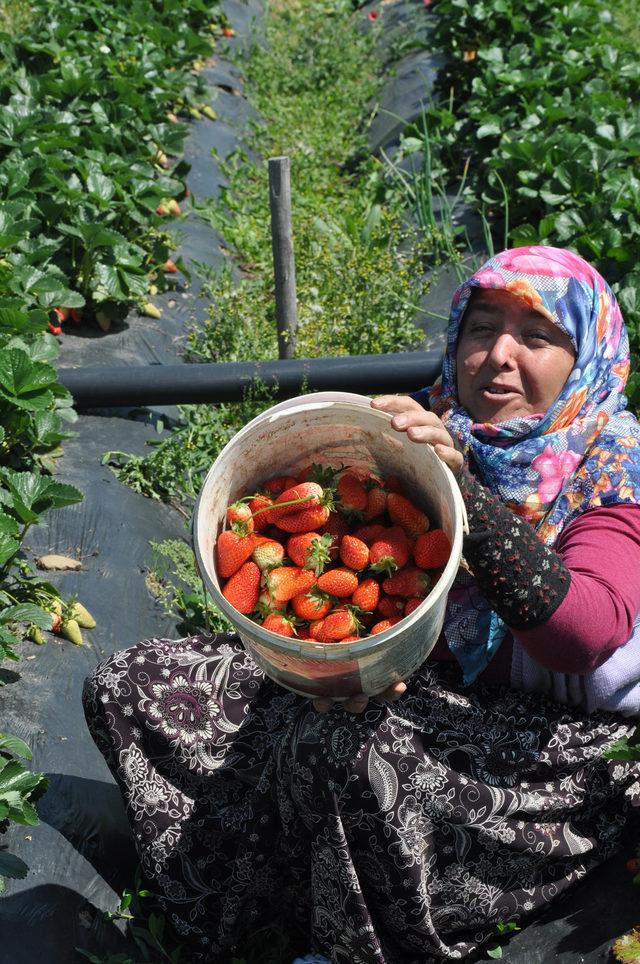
{"x": 421, "y": 426}
{"x": 358, "y": 703}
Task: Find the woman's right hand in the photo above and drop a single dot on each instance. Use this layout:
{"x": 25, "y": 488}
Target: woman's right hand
{"x": 421, "y": 426}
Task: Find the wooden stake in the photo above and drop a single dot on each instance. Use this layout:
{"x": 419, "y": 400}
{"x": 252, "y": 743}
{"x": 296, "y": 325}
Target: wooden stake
{"x": 284, "y": 267}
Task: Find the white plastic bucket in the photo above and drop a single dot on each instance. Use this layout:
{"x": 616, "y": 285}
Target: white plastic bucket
{"x": 331, "y": 428}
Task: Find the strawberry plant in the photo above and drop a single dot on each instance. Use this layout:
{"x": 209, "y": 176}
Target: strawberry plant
{"x": 538, "y": 106}
{"x": 19, "y": 789}
{"x": 92, "y": 104}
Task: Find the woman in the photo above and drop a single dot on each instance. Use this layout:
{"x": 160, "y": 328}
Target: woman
{"x": 475, "y": 792}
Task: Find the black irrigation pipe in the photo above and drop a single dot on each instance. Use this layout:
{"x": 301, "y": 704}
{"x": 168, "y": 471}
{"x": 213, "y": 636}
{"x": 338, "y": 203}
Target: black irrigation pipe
{"x": 227, "y": 382}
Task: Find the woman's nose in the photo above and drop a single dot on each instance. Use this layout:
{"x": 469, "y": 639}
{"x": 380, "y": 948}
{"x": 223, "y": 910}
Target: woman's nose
{"x": 503, "y": 351}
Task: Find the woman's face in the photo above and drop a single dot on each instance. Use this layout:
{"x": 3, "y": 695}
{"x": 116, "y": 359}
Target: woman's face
{"x": 511, "y": 360}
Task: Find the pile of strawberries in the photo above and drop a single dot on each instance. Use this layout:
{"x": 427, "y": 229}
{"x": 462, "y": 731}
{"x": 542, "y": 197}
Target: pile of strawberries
{"x": 332, "y": 555}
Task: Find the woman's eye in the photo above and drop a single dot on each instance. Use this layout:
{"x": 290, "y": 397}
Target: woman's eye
{"x": 539, "y": 336}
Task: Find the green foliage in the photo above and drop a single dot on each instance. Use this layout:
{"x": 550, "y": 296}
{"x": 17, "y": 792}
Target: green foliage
{"x": 542, "y": 103}
{"x": 177, "y": 584}
{"x": 19, "y": 789}
{"x": 175, "y": 470}
{"x": 83, "y": 135}
{"x": 357, "y": 264}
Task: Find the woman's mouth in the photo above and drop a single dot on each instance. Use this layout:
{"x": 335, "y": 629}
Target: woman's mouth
{"x": 495, "y": 391}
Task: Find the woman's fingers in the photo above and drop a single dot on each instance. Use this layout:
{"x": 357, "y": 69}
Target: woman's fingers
{"x": 421, "y": 426}
{"x": 396, "y": 403}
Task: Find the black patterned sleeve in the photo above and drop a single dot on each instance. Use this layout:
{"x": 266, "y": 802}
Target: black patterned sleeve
{"x": 523, "y": 580}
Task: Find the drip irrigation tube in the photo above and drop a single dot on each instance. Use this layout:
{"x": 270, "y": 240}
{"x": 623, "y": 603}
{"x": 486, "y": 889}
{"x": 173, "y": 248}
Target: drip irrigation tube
{"x": 226, "y": 382}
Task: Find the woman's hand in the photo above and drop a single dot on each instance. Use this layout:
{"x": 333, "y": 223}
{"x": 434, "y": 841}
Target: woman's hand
{"x": 421, "y": 426}
{"x": 356, "y": 704}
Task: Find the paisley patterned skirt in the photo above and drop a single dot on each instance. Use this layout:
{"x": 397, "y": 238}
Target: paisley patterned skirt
{"x": 398, "y": 836}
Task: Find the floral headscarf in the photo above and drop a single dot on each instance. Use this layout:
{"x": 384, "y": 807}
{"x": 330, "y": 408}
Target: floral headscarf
{"x": 583, "y": 452}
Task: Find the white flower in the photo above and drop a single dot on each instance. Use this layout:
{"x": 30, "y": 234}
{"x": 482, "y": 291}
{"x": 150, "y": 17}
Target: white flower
{"x": 127, "y": 709}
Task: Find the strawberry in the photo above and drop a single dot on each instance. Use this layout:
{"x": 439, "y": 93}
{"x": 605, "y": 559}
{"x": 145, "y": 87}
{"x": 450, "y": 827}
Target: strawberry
{"x": 305, "y": 520}
{"x": 169, "y": 267}
{"x": 407, "y": 582}
{"x": 338, "y": 582}
{"x": 337, "y": 625}
{"x": 243, "y": 589}
{"x": 303, "y": 495}
{"x": 285, "y": 582}
{"x": 367, "y": 595}
{"x": 232, "y": 551}
{"x": 352, "y": 495}
{"x": 161, "y": 210}
{"x": 173, "y": 207}
{"x": 324, "y": 475}
{"x": 390, "y": 552}
{"x": 277, "y": 485}
{"x": 239, "y": 518}
{"x": 410, "y": 605}
{"x": 228, "y": 32}
{"x": 389, "y": 608}
{"x": 376, "y": 503}
{"x": 62, "y": 314}
{"x": 311, "y": 605}
{"x": 393, "y": 483}
{"x": 267, "y": 553}
{"x": 404, "y": 513}
{"x": 315, "y": 629}
{"x": 354, "y": 553}
{"x": 76, "y": 315}
{"x": 266, "y": 605}
{"x": 260, "y": 506}
{"x": 383, "y": 625}
{"x": 432, "y": 549}
{"x": 370, "y": 534}
{"x": 350, "y": 639}
{"x": 310, "y": 551}
{"x": 303, "y": 632}
{"x": 54, "y": 329}
{"x": 336, "y": 526}
{"x": 633, "y": 865}
{"x": 282, "y": 625}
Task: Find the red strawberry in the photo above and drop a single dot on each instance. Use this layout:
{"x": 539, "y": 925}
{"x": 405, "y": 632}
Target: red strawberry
{"x": 161, "y": 210}
{"x": 410, "y": 605}
{"x": 285, "y": 582}
{"x": 243, "y": 589}
{"x": 354, "y": 553}
{"x": 266, "y": 604}
{"x": 315, "y": 629}
{"x": 239, "y": 518}
{"x": 260, "y": 506}
{"x": 324, "y": 475}
{"x": 310, "y": 550}
{"x": 54, "y": 329}
{"x": 267, "y": 553}
{"x": 337, "y": 527}
{"x": 338, "y": 582}
{"x": 228, "y": 32}
{"x": 303, "y": 495}
{"x": 367, "y": 595}
{"x": 432, "y": 549}
{"x": 370, "y": 534}
{"x": 306, "y": 520}
{"x": 76, "y": 315}
{"x": 304, "y": 633}
{"x": 169, "y": 267}
{"x": 390, "y": 552}
{"x": 62, "y": 314}
{"x": 404, "y": 513}
{"x": 393, "y": 483}
{"x": 376, "y": 503}
{"x": 278, "y": 484}
{"x": 407, "y": 582}
{"x": 389, "y": 608}
{"x": 383, "y": 625}
{"x": 337, "y": 625}
{"x": 232, "y": 551}
{"x": 350, "y": 639}
{"x": 282, "y": 625}
{"x": 352, "y": 494}
{"x": 311, "y": 605}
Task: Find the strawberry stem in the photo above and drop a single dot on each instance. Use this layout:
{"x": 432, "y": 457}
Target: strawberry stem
{"x": 281, "y": 505}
